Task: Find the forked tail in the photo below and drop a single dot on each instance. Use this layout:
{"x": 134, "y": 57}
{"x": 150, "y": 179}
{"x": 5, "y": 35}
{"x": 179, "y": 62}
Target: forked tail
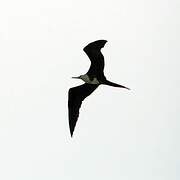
{"x": 109, "y": 83}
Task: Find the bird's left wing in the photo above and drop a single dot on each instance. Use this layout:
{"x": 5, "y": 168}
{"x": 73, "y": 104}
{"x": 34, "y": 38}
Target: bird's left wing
{"x": 93, "y": 51}
{"x": 75, "y": 97}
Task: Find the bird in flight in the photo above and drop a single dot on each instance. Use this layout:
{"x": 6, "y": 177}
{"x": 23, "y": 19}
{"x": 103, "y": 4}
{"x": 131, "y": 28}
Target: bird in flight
{"x": 93, "y": 78}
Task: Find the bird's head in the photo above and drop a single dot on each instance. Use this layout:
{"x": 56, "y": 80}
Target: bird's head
{"x": 84, "y": 77}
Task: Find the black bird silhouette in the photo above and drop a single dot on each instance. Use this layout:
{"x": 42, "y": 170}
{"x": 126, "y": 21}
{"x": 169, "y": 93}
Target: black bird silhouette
{"x": 93, "y": 78}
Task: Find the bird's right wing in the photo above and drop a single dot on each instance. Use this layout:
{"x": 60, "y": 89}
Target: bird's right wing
{"x": 75, "y": 97}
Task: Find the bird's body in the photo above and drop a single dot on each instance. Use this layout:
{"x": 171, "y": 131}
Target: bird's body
{"x": 87, "y": 79}
{"x": 93, "y": 78}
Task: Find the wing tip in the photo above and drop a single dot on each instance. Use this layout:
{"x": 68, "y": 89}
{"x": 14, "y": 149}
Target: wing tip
{"x": 95, "y": 44}
{"x": 71, "y": 132}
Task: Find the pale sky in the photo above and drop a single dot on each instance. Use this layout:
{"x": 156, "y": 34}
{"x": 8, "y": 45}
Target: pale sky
{"x": 120, "y": 135}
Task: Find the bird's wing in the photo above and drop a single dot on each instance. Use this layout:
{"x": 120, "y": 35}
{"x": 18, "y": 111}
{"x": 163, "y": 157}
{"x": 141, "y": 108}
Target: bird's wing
{"x": 76, "y": 96}
{"x": 93, "y": 51}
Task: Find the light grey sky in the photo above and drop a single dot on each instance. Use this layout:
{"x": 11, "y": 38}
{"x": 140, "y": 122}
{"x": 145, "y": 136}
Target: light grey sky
{"x": 120, "y": 135}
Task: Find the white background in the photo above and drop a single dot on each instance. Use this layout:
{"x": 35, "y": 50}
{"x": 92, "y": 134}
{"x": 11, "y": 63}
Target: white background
{"x": 120, "y": 135}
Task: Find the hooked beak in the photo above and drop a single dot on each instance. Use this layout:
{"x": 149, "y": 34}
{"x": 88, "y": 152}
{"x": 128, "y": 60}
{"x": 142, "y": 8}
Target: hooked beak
{"x": 76, "y": 77}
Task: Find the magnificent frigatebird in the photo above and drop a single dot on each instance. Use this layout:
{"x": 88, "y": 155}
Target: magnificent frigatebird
{"x": 93, "y": 78}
